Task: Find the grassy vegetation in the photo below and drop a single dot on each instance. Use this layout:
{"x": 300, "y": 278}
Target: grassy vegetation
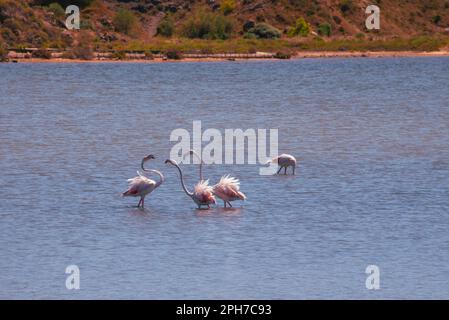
{"x": 285, "y": 45}
{"x": 413, "y": 44}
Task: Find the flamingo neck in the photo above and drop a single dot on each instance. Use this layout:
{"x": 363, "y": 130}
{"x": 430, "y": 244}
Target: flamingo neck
{"x": 201, "y": 164}
{"x": 190, "y": 194}
{"x": 161, "y": 176}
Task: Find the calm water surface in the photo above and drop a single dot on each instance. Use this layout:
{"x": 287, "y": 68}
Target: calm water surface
{"x": 372, "y": 136}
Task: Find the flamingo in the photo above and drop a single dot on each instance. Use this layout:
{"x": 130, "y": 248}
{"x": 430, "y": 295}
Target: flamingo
{"x": 141, "y": 185}
{"x": 284, "y": 161}
{"x": 227, "y": 189}
{"x": 202, "y": 193}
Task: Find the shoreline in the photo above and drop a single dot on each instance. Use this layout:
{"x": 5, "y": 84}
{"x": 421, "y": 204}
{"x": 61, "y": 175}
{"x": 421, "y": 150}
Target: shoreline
{"x": 296, "y": 56}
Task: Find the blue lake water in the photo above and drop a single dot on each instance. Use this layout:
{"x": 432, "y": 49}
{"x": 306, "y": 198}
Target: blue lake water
{"x": 372, "y": 183}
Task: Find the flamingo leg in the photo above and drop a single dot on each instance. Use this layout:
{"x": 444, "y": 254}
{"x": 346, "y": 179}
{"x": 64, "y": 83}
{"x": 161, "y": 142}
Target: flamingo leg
{"x": 140, "y": 201}
{"x": 280, "y": 168}
{"x": 285, "y": 170}
{"x": 224, "y": 202}
{"x": 143, "y": 202}
{"x": 230, "y": 204}
{"x": 208, "y": 206}
{"x": 294, "y": 170}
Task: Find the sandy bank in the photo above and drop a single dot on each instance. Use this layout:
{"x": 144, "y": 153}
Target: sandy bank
{"x": 298, "y": 55}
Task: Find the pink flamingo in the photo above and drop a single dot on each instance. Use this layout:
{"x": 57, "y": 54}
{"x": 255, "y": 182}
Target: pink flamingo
{"x": 202, "y": 193}
{"x": 141, "y": 185}
{"x": 227, "y": 189}
{"x": 284, "y": 161}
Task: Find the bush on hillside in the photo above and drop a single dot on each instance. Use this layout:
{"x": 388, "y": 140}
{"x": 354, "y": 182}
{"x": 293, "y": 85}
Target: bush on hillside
{"x": 207, "y": 25}
{"x": 301, "y": 28}
{"x": 124, "y": 21}
{"x": 57, "y": 10}
{"x": 346, "y": 6}
{"x": 227, "y": 6}
{"x": 265, "y": 31}
{"x": 166, "y": 28}
{"x": 325, "y": 29}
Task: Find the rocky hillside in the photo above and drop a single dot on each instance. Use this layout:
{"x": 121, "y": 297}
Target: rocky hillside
{"x": 105, "y": 23}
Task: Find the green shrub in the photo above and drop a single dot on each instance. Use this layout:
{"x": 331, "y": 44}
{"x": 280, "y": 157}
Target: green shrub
{"x": 227, "y": 6}
{"x": 436, "y": 19}
{"x": 166, "y": 28}
{"x": 301, "y": 28}
{"x": 346, "y": 6}
{"x": 325, "y": 29}
{"x": 265, "y": 31}
{"x": 41, "y": 54}
{"x": 207, "y": 25}
{"x": 124, "y": 21}
{"x": 57, "y": 10}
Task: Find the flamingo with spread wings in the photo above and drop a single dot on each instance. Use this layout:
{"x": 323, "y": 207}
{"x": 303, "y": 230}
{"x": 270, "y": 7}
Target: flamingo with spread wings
{"x": 227, "y": 189}
{"x": 202, "y": 193}
{"x": 141, "y": 185}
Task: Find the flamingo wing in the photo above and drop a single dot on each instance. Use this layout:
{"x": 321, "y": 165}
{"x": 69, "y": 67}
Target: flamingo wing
{"x": 228, "y": 188}
{"x": 139, "y": 186}
{"x": 204, "y": 192}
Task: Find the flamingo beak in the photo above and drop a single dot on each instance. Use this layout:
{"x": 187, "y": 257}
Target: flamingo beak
{"x": 149, "y": 157}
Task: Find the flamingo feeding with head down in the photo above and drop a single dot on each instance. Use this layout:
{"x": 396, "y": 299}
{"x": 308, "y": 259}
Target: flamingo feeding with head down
{"x": 227, "y": 189}
{"x": 284, "y": 161}
{"x": 202, "y": 193}
{"x": 141, "y": 185}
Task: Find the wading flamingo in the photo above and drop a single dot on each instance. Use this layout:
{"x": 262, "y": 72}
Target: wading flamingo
{"x": 227, "y": 189}
{"x": 202, "y": 193}
{"x": 284, "y": 161}
{"x": 141, "y": 185}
